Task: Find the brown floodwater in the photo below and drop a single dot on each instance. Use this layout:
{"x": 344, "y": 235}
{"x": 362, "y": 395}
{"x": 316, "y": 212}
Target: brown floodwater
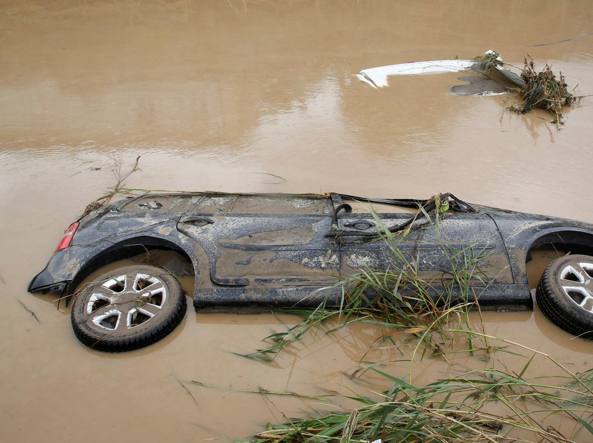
{"x": 255, "y": 96}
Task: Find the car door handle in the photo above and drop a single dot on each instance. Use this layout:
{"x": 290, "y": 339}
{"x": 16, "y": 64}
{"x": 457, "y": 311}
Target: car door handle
{"x": 197, "y": 221}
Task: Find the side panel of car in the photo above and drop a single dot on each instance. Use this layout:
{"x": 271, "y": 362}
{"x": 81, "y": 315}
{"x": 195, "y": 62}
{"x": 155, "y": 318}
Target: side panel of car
{"x": 437, "y": 250}
{"x": 267, "y": 251}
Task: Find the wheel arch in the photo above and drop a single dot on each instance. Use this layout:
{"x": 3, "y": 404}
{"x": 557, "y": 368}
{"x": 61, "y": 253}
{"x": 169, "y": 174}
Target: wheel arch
{"x": 562, "y": 239}
{"x": 570, "y": 240}
{"x": 127, "y": 248}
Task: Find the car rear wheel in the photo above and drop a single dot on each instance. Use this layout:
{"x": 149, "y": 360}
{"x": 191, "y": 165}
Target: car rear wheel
{"x": 565, "y": 294}
{"x": 128, "y": 308}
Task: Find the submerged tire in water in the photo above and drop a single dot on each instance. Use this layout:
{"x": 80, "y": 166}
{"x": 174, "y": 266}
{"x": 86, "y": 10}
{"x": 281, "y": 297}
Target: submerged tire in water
{"x": 128, "y": 308}
{"x": 565, "y": 294}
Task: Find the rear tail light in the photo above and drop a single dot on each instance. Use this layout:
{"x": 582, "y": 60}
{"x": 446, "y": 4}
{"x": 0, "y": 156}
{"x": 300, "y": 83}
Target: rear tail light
{"x": 68, "y": 236}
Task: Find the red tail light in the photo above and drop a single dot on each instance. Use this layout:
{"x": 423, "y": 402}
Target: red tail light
{"x": 68, "y": 236}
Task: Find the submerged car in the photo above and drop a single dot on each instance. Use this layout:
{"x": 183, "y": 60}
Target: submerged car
{"x": 288, "y": 250}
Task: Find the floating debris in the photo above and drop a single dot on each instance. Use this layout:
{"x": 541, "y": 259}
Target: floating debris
{"x": 30, "y": 311}
{"x": 536, "y": 89}
{"x": 377, "y": 77}
{"x": 544, "y": 90}
{"x": 494, "y": 80}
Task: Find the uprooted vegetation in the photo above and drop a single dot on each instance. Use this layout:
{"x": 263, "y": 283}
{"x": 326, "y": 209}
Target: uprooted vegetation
{"x": 449, "y": 410}
{"x": 536, "y": 89}
{"x": 544, "y": 90}
{"x": 491, "y": 403}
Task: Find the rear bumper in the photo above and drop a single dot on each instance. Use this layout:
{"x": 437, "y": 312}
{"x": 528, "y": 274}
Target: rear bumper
{"x": 45, "y": 282}
{"x": 60, "y": 270}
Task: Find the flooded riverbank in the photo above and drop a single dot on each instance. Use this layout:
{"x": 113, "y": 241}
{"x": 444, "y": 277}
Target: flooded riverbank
{"x": 253, "y": 96}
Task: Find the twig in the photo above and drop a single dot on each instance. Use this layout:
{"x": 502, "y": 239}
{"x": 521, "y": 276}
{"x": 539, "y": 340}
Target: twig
{"x": 186, "y": 389}
{"x": 105, "y": 199}
{"x": 29, "y": 310}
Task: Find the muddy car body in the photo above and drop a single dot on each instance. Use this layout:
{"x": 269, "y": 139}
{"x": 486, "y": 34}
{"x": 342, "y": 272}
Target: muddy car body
{"x": 287, "y": 250}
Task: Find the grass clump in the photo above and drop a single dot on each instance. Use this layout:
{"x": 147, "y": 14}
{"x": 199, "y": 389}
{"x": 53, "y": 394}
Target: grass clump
{"x": 396, "y": 299}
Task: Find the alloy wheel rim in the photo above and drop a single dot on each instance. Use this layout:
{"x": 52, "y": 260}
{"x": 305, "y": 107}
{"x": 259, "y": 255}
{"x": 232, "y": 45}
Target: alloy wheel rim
{"x": 576, "y": 280}
{"x": 126, "y": 301}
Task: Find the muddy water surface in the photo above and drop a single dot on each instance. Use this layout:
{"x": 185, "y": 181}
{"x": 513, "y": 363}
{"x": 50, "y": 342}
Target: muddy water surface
{"x": 253, "y": 96}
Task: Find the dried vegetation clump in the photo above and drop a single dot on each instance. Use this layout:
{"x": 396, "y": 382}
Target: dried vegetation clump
{"x": 537, "y": 89}
{"x": 544, "y": 90}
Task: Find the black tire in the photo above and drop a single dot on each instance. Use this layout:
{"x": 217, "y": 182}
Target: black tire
{"x": 113, "y": 314}
{"x": 565, "y": 294}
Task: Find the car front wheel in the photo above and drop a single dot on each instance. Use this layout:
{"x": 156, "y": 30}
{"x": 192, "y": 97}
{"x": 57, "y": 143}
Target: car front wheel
{"x": 565, "y": 294}
{"x": 128, "y": 308}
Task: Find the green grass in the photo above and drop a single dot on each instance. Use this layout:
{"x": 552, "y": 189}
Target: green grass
{"x": 448, "y": 410}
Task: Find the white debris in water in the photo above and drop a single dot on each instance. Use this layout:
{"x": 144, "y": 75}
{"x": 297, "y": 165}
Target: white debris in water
{"x": 377, "y": 77}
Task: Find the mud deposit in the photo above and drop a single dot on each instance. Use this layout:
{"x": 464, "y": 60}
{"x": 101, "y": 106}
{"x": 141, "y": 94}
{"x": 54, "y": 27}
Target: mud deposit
{"x": 255, "y": 96}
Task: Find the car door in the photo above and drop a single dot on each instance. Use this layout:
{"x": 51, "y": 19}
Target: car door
{"x": 437, "y": 250}
{"x": 265, "y": 240}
